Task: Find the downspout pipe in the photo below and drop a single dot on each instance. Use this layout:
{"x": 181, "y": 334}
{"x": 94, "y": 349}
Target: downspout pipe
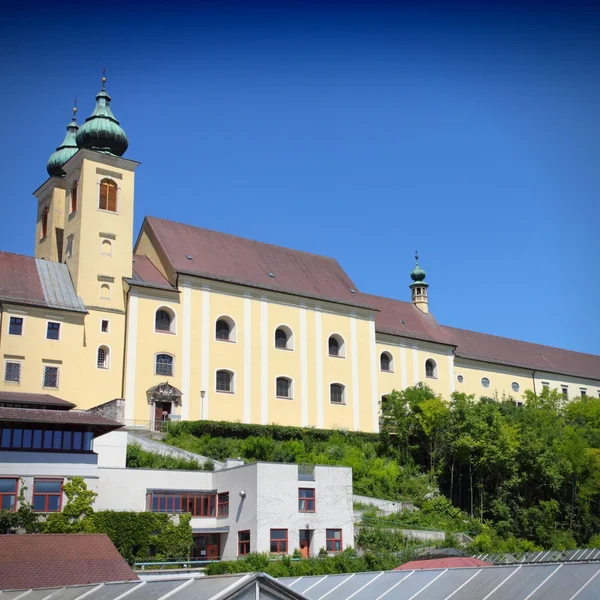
{"x": 533, "y": 379}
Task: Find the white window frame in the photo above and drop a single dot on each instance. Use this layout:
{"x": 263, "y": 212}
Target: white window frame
{"x": 232, "y": 329}
{"x": 17, "y": 362}
{"x": 488, "y": 380}
{"x": 154, "y": 365}
{"x": 60, "y": 332}
{"x": 100, "y": 296}
{"x": 173, "y": 326}
{"x": 103, "y": 210}
{"x": 22, "y": 334}
{"x": 108, "y": 328}
{"x": 291, "y": 382}
{"x": 106, "y": 357}
{"x": 233, "y": 379}
{"x": 103, "y": 241}
{"x": 391, "y": 356}
{"x": 290, "y": 337}
{"x": 344, "y": 396}
{"x": 50, "y": 366}
{"x": 341, "y": 342}
{"x": 435, "y": 368}
{"x": 515, "y": 383}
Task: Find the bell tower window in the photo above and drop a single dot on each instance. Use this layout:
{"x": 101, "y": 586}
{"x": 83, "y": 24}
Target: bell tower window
{"x": 108, "y": 195}
{"x": 74, "y": 197}
{"x": 44, "y": 230}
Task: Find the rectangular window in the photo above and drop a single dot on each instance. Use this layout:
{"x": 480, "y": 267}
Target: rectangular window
{"x": 51, "y": 377}
{"x": 53, "y": 331}
{"x": 306, "y": 500}
{"x": 279, "y": 541}
{"x": 243, "y": 543}
{"x": 47, "y": 494}
{"x": 104, "y": 326}
{"x": 306, "y": 472}
{"x": 583, "y": 392}
{"x": 223, "y": 505}
{"x": 15, "y": 327}
{"x": 8, "y": 494}
{"x": 199, "y": 505}
{"x": 545, "y": 385}
{"x": 565, "y": 391}
{"x": 12, "y": 372}
{"x": 333, "y": 541}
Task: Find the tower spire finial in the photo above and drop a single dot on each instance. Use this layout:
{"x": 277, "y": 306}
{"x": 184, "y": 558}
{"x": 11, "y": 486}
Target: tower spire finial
{"x": 75, "y": 109}
{"x": 417, "y": 256}
{"x": 103, "y": 78}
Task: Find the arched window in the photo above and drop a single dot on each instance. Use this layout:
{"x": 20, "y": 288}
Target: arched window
{"x": 283, "y": 387}
{"x": 225, "y": 329}
{"x": 108, "y": 195}
{"x": 102, "y": 357}
{"x": 163, "y": 320}
{"x": 283, "y": 338}
{"x": 386, "y": 361}
{"x": 430, "y": 368}
{"x": 224, "y": 381}
{"x": 74, "y": 197}
{"x": 44, "y": 230}
{"x": 106, "y": 247}
{"x": 337, "y": 393}
{"x": 163, "y": 365}
{"x": 336, "y": 345}
{"x": 105, "y": 291}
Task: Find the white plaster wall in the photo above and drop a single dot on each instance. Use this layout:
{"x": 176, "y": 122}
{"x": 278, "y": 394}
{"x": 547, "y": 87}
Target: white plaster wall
{"x": 277, "y": 505}
{"x": 111, "y": 449}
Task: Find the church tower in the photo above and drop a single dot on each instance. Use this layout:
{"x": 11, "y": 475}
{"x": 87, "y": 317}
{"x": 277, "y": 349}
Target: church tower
{"x": 85, "y": 210}
{"x": 419, "y": 287}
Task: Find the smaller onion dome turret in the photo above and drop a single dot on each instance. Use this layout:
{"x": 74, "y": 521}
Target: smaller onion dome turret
{"x": 65, "y": 151}
{"x": 101, "y": 130}
{"x": 417, "y": 274}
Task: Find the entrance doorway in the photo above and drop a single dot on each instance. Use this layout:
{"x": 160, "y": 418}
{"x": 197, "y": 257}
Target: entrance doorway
{"x": 162, "y": 412}
{"x": 305, "y": 536}
{"x": 207, "y": 546}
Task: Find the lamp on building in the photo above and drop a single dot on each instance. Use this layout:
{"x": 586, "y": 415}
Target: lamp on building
{"x": 202, "y": 394}
{"x": 308, "y": 526}
{"x": 242, "y": 494}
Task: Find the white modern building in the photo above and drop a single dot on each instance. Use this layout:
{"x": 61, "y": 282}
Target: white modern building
{"x": 259, "y": 507}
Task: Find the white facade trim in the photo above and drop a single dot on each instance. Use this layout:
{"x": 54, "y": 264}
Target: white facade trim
{"x": 187, "y": 345}
{"x": 403, "y": 373}
{"x": 247, "y": 358}
{"x": 205, "y": 353}
{"x": 415, "y": 355}
{"x": 374, "y": 377}
{"x": 131, "y": 356}
{"x": 264, "y": 361}
{"x": 355, "y": 390}
{"x": 451, "y": 372}
{"x": 302, "y": 342}
{"x": 319, "y": 365}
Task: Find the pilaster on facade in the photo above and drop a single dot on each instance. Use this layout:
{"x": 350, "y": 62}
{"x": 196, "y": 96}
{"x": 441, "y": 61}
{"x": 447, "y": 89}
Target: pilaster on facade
{"x": 264, "y": 361}
{"x": 186, "y": 350}
{"x": 247, "y": 358}
{"x": 319, "y": 365}
{"x": 205, "y": 383}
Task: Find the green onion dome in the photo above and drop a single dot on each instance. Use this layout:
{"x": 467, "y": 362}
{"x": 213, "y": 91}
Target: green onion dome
{"x": 417, "y": 274}
{"x": 65, "y": 151}
{"x": 101, "y": 130}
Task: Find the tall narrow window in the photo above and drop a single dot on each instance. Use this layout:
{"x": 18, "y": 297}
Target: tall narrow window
{"x": 44, "y": 229}
{"x": 15, "y": 326}
{"x": 50, "y": 377}
{"x": 565, "y": 391}
{"x": 106, "y": 248}
{"x": 47, "y": 495}
{"x": 108, "y": 195}
{"x": 334, "y": 346}
{"x": 386, "y": 361}
{"x": 102, "y": 357}
{"x": 336, "y": 393}
{"x": 74, "y": 196}
{"x": 105, "y": 291}
{"x": 224, "y": 381}
{"x": 223, "y": 504}
{"x": 283, "y": 387}
{"x": 306, "y": 500}
{"x": 333, "y": 540}
{"x": 431, "y": 368}
{"x": 223, "y": 330}
{"x": 283, "y": 338}
{"x": 164, "y": 365}
{"x": 162, "y": 320}
{"x": 279, "y": 539}
{"x": 53, "y": 331}
{"x": 243, "y": 543}
{"x": 8, "y": 493}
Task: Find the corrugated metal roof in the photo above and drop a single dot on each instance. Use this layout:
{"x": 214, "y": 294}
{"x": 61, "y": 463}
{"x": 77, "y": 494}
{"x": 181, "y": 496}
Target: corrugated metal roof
{"x": 57, "y": 285}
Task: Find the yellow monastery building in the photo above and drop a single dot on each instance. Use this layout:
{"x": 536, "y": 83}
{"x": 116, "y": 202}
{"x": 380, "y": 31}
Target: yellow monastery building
{"x": 198, "y": 324}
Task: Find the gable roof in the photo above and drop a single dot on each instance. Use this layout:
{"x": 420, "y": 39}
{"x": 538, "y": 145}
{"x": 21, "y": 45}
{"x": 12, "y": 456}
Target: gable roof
{"x": 147, "y": 275}
{"x": 506, "y": 351}
{"x": 224, "y": 257}
{"x": 45, "y": 560}
{"x": 37, "y": 282}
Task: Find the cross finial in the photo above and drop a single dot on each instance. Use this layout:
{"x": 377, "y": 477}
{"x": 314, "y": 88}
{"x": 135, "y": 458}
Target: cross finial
{"x": 417, "y": 255}
{"x": 74, "y": 109}
{"x": 103, "y": 77}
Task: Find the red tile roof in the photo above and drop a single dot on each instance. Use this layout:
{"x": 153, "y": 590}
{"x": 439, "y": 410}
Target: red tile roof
{"x": 53, "y": 560}
{"x": 45, "y": 400}
{"x": 506, "y": 351}
{"x": 452, "y": 562}
{"x": 98, "y": 423}
{"x": 234, "y": 259}
{"x": 145, "y": 273}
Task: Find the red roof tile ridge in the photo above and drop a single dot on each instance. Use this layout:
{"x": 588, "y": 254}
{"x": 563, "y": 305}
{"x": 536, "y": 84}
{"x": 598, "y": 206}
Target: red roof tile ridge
{"x": 20, "y": 255}
{"x": 246, "y": 239}
{"x": 502, "y": 337}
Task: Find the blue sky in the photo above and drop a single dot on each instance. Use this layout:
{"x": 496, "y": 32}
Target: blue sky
{"x": 359, "y": 131}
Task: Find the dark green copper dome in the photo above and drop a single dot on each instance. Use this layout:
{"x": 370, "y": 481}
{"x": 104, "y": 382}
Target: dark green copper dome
{"x": 417, "y": 274}
{"x": 101, "y": 130}
{"x": 65, "y": 151}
